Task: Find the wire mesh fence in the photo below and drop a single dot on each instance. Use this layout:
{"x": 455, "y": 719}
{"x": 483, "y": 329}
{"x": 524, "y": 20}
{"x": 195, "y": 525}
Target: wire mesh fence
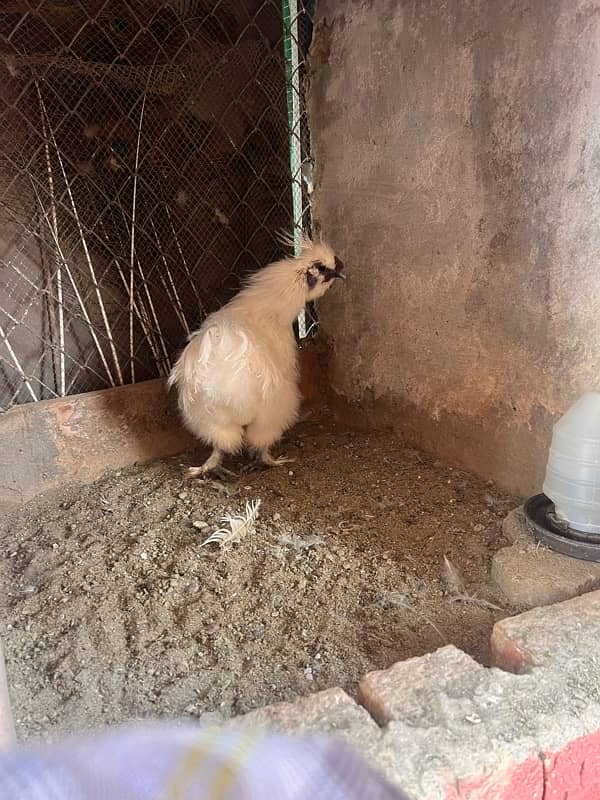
{"x": 150, "y": 153}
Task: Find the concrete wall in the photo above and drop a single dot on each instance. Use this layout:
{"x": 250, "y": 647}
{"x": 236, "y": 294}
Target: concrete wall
{"x": 457, "y": 149}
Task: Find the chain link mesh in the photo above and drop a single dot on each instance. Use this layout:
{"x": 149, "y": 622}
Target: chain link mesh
{"x": 144, "y": 169}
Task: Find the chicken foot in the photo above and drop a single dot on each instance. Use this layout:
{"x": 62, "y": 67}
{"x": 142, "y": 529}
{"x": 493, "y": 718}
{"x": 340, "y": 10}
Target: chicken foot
{"x": 262, "y": 459}
{"x": 212, "y": 466}
{"x": 265, "y": 457}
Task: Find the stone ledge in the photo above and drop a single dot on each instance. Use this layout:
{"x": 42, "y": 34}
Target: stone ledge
{"x": 530, "y": 575}
{"x": 409, "y": 689}
{"x": 452, "y": 729}
{"x": 76, "y": 439}
{"x": 330, "y": 712}
{"x": 565, "y": 634}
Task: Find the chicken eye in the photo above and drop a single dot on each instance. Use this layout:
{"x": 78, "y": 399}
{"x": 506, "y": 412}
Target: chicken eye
{"x": 320, "y": 266}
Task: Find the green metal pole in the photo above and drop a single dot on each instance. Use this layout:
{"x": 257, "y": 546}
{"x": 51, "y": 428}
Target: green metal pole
{"x": 292, "y": 76}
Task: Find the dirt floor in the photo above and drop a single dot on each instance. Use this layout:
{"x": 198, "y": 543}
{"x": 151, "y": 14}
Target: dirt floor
{"x": 111, "y": 610}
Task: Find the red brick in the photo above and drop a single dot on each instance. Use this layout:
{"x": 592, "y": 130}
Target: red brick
{"x": 401, "y": 691}
{"x": 547, "y": 636}
{"x": 524, "y": 781}
{"x": 574, "y": 772}
{"x": 331, "y": 712}
{"x": 507, "y": 654}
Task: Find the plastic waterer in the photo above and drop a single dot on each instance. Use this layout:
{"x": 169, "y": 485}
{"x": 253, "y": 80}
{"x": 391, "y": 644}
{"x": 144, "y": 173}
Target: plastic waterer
{"x": 573, "y": 469}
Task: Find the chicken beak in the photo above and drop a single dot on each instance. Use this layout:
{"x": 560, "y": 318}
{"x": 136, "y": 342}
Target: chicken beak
{"x": 340, "y": 275}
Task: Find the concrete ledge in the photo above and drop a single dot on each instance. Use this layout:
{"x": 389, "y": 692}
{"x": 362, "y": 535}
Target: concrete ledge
{"x": 55, "y": 442}
{"x": 454, "y": 730}
{"x": 564, "y": 636}
{"x": 530, "y": 575}
{"x": 379, "y": 691}
{"x": 331, "y": 712}
{"x": 486, "y": 733}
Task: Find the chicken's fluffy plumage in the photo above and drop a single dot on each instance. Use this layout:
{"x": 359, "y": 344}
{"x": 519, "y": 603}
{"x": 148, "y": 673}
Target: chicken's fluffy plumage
{"x": 237, "y": 378}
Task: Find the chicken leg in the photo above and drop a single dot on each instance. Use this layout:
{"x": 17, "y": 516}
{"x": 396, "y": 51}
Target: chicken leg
{"x": 262, "y": 459}
{"x": 212, "y": 465}
{"x": 268, "y": 460}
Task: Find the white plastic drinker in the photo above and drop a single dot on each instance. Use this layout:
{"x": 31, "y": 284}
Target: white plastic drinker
{"x": 573, "y": 469}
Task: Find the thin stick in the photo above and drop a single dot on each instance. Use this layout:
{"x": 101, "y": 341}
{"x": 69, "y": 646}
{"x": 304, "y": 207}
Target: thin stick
{"x": 175, "y": 297}
{"x": 84, "y": 311}
{"x": 142, "y": 317}
{"x": 152, "y": 338}
{"x": 159, "y": 332}
{"x": 87, "y": 256}
{"x": 140, "y": 312}
{"x": 184, "y": 262}
{"x": 395, "y": 599}
{"x": 21, "y": 372}
{"x": 8, "y": 736}
{"x": 476, "y": 601}
{"x": 58, "y": 273}
{"x": 154, "y": 317}
{"x": 132, "y": 250}
{"x": 47, "y": 293}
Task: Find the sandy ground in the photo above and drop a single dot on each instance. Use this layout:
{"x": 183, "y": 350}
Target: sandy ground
{"x": 111, "y": 610}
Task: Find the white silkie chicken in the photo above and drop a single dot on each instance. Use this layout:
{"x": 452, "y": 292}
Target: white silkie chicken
{"x": 237, "y": 378}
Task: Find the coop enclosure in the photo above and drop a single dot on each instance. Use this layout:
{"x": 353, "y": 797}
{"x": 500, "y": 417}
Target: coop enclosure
{"x": 151, "y": 151}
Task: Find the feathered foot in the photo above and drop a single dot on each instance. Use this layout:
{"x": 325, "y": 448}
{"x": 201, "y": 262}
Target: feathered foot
{"x": 268, "y": 460}
{"x": 211, "y": 467}
{"x": 263, "y": 460}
